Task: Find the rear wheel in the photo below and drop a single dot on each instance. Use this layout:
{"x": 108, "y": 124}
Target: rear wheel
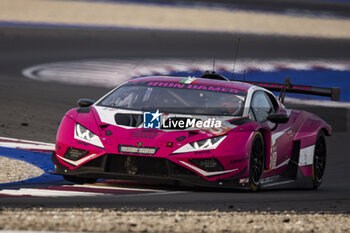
{"x": 319, "y": 161}
{"x": 256, "y": 164}
{"x": 79, "y": 180}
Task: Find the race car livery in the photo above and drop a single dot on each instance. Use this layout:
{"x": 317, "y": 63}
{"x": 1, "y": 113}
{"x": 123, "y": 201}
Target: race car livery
{"x": 205, "y": 131}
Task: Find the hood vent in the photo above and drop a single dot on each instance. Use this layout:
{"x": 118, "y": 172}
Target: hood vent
{"x": 192, "y": 133}
{"x": 127, "y": 119}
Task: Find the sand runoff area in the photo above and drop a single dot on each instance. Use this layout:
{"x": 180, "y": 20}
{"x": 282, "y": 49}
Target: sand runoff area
{"x": 170, "y": 18}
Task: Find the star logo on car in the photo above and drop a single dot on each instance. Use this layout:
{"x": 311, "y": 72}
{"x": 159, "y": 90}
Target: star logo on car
{"x": 156, "y": 115}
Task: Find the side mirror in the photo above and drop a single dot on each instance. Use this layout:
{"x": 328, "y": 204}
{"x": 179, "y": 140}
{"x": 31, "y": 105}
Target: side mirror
{"x": 85, "y": 103}
{"x": 278, "y": 118}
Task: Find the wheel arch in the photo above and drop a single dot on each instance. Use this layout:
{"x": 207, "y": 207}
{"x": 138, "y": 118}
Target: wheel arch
{"x": 267, "y": 143}
{"x": 326, "y": 131}
{"x": 253, "y": 161}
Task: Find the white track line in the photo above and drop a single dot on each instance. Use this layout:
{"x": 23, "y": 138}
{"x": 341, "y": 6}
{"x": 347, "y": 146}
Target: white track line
{"x": 109, "y": 73}
{"x": 116, "y": 188}
{"x": 26, "y": 141}
{"x": 154, "y": 194}
{"x": 25, "y": 144}
{"x": 154, "y": 191}
{"x": 67, "y": 193}
{"x": 47, "y": 193}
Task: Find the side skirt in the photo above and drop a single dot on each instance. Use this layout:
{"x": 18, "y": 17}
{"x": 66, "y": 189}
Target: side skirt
{"x": 292, "y": 177}
{"x": 291, "y": 170}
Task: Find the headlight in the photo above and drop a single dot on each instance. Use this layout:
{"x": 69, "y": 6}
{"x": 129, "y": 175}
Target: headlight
{"x": 83, "y": 134}
{"x": 206, "y": 144}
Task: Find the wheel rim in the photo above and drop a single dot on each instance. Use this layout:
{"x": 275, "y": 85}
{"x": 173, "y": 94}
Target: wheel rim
{"x": 256, "y": 160}
{"x": 320, "y": 158}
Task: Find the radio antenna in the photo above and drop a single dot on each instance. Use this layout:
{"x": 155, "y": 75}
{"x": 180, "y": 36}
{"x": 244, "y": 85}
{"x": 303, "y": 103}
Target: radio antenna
{"x": 234, "y": 63}
{"x": 213, "y": 65}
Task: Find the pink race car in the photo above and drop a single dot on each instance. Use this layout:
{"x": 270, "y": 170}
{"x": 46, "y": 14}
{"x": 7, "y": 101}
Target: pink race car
{"x": 205, "y": 131}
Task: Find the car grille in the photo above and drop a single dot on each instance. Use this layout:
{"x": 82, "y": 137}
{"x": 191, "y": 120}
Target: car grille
{"x": 136, "y": 165}
{"x": 148, "y": 166}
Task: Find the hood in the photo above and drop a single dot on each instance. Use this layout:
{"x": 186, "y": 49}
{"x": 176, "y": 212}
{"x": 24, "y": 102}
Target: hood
{"x": 124, "y": 128}
{"x": 131, "y": 119}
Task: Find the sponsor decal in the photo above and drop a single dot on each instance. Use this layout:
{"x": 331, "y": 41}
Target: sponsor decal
{"x": 83, "y": 143}
{"x": 202, "y": 152}
{"x": 222, "y": 129}
{"x": 188, "y": 80}
{"x": 139, "y": 144}
{"x": 183, "y": 123}
{"x": 306, "y": 155}
{"x": 243, "y": 180}
{"x": 144, "y": 134}
{"x": 185, "y": 85}
{"x": 156, "y": 120}
{"x": 152, "y": 120}
{"x": 273, "y": 160}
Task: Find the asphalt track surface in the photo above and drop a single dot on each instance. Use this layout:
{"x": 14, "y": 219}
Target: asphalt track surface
{"x": 32, "y": 109}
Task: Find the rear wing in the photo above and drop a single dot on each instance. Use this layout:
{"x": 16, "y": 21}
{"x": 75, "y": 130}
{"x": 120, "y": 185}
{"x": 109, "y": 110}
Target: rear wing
{"x": 287, "y": 86}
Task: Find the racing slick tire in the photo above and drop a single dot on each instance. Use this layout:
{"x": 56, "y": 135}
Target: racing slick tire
{"x": 256, "y": 161}
{"x": 79, "y": 180}
{"x": 319, "y": 160}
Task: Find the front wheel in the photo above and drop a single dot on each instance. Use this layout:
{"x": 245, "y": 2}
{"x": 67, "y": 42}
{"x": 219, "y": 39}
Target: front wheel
{"x": 319, "y": 161}
{"x": 79, "y": 180}
{"x": 256, "y": 164}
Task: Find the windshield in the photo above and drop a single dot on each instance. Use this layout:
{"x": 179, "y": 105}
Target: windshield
{"x": 177, "y": 98}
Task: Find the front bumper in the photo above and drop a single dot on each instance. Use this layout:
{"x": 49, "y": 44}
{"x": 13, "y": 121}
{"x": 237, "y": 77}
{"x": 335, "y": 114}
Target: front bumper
{"x": 144, "y": 169}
